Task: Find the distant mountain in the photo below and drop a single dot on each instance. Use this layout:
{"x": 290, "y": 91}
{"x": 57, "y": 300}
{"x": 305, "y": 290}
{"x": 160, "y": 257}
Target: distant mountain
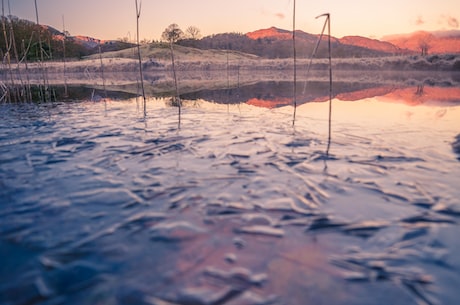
{"x": 439, "y": 42}
{"x": 277, "y": 43}
{"x": 348, "y": 46}
{"x": 372, "y": 44}
{"x": 272, "y": 32}
{"x": 89, "y": 44}
{"x": 280, "y": 34}
{"x": 428, "y": 42}
{"x": 92, "y": 44}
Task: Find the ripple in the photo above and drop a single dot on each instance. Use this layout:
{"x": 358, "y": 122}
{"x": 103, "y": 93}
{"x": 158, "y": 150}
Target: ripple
{"x": 261, "y": 230}
{"x": 97, "y": 197}
{"x": 175, "y": 231}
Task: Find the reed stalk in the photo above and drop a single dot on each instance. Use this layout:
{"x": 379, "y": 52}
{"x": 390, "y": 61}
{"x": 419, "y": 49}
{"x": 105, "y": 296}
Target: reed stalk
{"x": 328, "y": 19}
{"x": 176, "y": 87}
{"x": 19, "y": 90}
{"x": 64, "y": 59}
{"x": 102, "y": 69}
{"x": 295, "y": 64}
{"x": 138, "y": 15}
{"x": 328, "y": 23}
{"x": 7, "y": 56}
{"x": 44, "y": 91}
{"x": 24, "y": 58}
{"x": 315, "y": 49}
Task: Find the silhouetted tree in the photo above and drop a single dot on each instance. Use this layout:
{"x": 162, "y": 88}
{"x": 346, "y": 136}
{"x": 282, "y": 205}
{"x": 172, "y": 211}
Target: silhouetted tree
{"x": 172, "y": 33}
{"x": 424, "y": 44}
{"x": 193, "y": 32}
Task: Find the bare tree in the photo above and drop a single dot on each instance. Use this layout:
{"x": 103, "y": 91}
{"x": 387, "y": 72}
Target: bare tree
{"x": 172, "y": 33}
{"x": 145, "y": 41}
{"x": 123, "y": 39}
{"x": 424, "y": 47}
{"x": 193, "y": 32}
{"x": 424, "y": 44}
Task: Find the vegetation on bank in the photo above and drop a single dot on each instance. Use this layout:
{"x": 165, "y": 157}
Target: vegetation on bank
{"x": 24, "y": 35}
{"x": 157, "y": 57}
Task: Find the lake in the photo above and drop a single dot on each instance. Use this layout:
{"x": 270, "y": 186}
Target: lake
{"x": 235, "y": 200}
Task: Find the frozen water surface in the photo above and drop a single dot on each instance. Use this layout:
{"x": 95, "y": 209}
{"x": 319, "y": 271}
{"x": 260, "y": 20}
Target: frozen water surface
{"x": 103, "y": 204}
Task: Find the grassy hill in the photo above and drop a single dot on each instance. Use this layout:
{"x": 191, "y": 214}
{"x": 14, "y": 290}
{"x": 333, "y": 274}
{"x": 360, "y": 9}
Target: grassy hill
{"x": 157, "y": 56}
{"x": 160, "y": 52}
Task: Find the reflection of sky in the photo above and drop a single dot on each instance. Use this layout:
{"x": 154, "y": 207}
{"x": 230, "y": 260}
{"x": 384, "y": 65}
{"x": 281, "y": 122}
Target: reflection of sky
{"x": 108, "y": 19}
{"x": 411, "y": 128}
{"x": 277, "y": 94}
{"x": 236, "y": 198}
{"x": 374, "y": 112}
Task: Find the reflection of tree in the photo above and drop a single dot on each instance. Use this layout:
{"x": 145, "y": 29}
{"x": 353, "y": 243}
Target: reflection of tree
{"x": 175, "y": 101}
{"x": 456, "y": 146}
{"x": 419, "y": 91}
{"x": 418, "y": 94}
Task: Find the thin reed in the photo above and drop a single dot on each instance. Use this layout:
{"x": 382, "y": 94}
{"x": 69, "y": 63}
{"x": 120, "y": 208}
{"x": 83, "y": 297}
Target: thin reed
{"x": 138, "y": 15}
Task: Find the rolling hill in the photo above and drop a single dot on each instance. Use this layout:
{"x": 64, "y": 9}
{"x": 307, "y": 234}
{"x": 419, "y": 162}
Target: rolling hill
{"x": 440, "y": 42}
{"x": 277, "y": 43}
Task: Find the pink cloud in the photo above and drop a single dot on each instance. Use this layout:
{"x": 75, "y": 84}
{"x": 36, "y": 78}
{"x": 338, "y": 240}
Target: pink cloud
{"x": 280, "y": 15}
{"x": 450, "y": 21}
{"x": 419, "y": 21}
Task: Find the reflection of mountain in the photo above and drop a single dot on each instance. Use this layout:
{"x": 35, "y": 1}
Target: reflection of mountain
{"x": 273, "y": 94}
{"x": 425, "y": 95}
{"x": 277, "y": 94}
{"x": 365, "y": 93}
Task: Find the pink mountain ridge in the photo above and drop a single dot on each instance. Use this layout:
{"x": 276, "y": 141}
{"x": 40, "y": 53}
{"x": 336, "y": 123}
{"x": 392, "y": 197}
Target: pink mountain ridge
{"x": 440, "y": 42}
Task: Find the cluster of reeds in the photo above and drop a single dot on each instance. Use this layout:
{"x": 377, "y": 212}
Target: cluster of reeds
{"x": 14, "y": 86}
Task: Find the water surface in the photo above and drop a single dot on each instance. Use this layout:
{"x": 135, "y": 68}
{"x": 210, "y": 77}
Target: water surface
{"x": 103, "y": 203}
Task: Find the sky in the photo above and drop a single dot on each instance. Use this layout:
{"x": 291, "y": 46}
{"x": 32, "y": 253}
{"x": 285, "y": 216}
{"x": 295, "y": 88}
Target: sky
{"x": 113, "y": 19}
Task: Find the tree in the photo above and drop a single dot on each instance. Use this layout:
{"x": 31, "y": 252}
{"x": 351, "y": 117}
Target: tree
{"x": 424, "y": 47}
{"x": 172, "y": 33}
{"x": 424, "y": 43}
{"x": 193, "y": 32}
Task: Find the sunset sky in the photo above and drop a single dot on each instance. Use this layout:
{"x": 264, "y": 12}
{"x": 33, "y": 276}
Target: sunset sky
{"x": 109, "y": 19}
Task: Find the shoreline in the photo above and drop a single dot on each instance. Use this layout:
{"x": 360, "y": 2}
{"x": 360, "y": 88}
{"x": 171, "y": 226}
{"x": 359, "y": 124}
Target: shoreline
{"x": 407, "y": 63}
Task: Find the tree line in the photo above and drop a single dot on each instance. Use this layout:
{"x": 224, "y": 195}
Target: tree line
{"x": 22, "y": 37}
